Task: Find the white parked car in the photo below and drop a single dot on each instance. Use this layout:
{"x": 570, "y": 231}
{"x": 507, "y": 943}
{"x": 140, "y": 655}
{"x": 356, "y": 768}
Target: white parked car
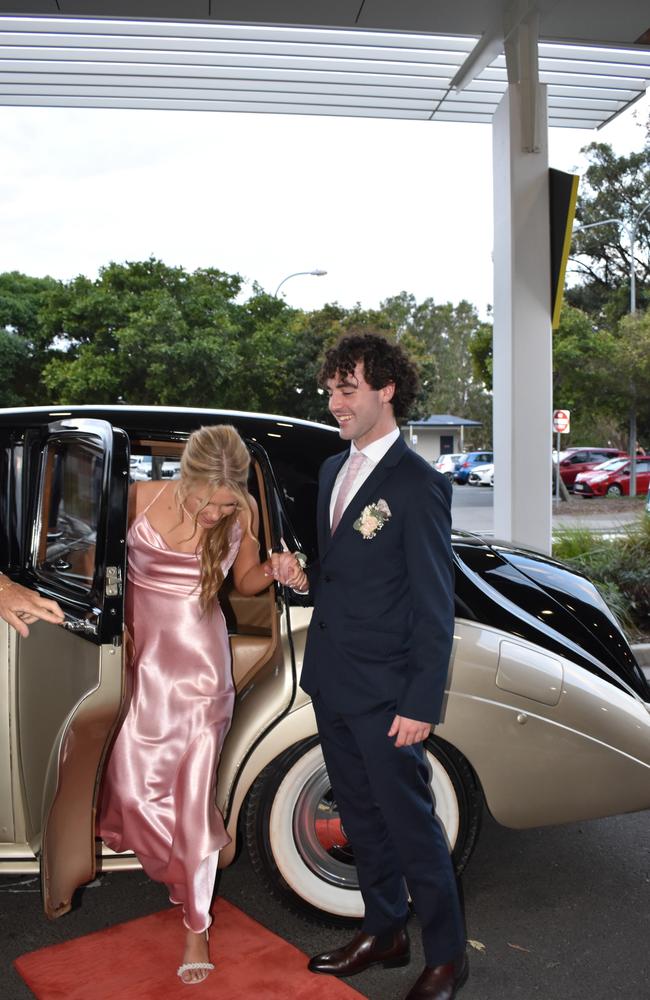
{"x": 140, "y": 467}
{"x": 446, "y": 464}
{"x": 482, "y": 475}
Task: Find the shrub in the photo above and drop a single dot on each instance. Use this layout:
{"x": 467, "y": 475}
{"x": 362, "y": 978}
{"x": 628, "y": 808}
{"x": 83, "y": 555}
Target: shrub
{"x": 619, "y": 566}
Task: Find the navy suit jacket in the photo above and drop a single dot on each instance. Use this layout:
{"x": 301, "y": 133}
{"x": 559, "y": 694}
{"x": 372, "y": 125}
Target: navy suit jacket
{"x": 382, "y": 627}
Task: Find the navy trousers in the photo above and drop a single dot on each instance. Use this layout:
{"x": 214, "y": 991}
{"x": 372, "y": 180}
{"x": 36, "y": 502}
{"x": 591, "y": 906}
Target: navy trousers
{"x": 387, "y": 811}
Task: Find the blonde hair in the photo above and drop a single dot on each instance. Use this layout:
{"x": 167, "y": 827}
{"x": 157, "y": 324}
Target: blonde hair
{"x": 216, "y": 457}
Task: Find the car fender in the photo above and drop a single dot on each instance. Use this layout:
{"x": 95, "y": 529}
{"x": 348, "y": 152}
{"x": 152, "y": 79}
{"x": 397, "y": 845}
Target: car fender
{"x": 298, "y": 725}
{"x": 549, "y": 741}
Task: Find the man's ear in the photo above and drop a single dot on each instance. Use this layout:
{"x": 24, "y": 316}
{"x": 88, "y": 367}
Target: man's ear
{"x": 387, "y": 392}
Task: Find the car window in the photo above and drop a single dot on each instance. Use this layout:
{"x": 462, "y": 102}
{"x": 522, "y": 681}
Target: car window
{"x": 11, "y": 465}
{"x": 613, "y": 465}
{"x": 578, "y": 457}
{"x": 154, "y": 460}
{"x": 64, "y": 545}
{"x": 643, "y": 465}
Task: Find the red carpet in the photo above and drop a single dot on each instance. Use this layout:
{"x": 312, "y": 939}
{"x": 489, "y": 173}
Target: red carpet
{"x": 138, "y": 961}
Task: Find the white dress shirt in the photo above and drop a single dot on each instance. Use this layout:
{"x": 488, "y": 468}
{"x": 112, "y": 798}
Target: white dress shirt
{"x": 373, "y": 453}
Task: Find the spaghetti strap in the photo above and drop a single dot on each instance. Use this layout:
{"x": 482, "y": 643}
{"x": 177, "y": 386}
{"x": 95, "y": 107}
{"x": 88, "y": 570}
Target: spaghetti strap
{"x": 152, "y": 502}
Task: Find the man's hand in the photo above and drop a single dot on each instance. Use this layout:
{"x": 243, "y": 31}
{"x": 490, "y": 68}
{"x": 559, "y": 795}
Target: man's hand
{"x": 20, "y": 606}
{"x": 288, "y": 571}
{"x": 408, "y": 731}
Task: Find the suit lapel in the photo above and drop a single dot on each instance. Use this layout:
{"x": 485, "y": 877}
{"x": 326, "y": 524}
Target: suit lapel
{"x": 328, "y": 478}
{"x": 367, "y": 493}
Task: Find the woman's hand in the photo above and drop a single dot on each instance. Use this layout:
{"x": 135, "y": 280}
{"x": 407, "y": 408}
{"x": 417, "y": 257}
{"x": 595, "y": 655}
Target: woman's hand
{"x": 21, "y": 607}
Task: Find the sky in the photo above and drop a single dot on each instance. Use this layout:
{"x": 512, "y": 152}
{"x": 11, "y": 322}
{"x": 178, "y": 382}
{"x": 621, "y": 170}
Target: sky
{"x": 382, "y": 206}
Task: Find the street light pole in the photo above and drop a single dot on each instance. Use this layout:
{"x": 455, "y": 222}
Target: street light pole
{"x": 630, "y": 232}
{"x": 632, "y": 236}
{"x": 317, "y": 273}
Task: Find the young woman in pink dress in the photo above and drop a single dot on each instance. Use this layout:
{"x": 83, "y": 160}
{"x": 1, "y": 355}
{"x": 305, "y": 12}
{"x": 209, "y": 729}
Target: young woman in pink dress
{"x": 159, "y": 790}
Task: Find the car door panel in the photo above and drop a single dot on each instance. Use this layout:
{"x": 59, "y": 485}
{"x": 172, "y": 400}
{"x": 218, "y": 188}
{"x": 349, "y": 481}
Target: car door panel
{"x": 69, "y": 680}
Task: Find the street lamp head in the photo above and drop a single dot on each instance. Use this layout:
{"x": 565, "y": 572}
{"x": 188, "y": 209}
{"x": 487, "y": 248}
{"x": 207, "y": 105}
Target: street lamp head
{"x": 317, "y": 273}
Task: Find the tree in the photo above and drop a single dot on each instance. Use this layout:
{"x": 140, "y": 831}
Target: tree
{"x": 23, "y": 302}
{"x": 629, "y": 375}
{"x": 146, "y": 333}
{"x": 583, "y": 362}
{"x": 440, "y": 338}
{"x": 613, "y": 187}
{"x": 14, "y": 368}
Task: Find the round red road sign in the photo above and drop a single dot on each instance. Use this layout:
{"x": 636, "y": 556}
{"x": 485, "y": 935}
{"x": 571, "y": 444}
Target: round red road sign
{"x": 561, "y": 421}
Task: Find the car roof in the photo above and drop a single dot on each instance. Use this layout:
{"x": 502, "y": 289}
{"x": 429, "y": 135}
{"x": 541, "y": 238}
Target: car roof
{"x": 284, "y": 438}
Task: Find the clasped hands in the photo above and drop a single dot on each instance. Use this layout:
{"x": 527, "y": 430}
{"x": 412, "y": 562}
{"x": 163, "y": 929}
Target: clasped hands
{"x": 285, "y": 568}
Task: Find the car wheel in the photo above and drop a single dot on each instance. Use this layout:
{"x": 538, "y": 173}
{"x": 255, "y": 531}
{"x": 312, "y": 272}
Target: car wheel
{"x": 614, "y": 491}
{"x": 297, "y": 844}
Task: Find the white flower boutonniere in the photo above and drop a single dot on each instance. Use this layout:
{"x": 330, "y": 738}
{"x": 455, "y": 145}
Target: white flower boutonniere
{"x": 373, "y": 518}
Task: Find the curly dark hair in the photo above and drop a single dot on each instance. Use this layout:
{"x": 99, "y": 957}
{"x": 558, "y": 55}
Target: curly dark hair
{"x": 383, "y": 362}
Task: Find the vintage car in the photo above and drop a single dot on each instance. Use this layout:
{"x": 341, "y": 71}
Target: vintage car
{"x": 547, "y": 714}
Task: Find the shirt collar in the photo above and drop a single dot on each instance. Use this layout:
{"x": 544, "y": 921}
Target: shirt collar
{"x": 377, "y": 449}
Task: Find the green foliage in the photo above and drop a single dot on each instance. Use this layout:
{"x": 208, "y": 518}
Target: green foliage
{"x": 584, "y": 372}
{"x": 14, "y": 368}
{"x": 442, "y": 339}
{"x": 620, "y": 568}
{"x": 613, "y": 187}
{"x": 144, "y": 332}
{"x": 23, "y": 306}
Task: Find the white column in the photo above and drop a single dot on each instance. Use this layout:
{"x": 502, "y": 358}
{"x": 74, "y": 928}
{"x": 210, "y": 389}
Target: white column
{"x": 522, "y": 323}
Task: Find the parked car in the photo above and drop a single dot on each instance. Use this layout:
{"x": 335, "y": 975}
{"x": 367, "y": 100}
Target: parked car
{"x": 170, "y": 470}
{"x": 469, "y": 461}
{"x": 612, "y": 478}
{"x": 647, "y": 502}
{"x": 446, "y": 464}
{"x": 547, "y": 716}
{"x": 482, "y": 475}
{"x": 573, "y": 461}
{"x": 140, "y": 468}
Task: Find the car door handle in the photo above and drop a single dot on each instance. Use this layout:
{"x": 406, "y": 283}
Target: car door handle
{"x": 86, "y": 626}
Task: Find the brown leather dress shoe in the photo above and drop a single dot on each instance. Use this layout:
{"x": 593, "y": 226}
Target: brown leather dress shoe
{"x": 363, "y": 951}
{"x": 441, "y": 982}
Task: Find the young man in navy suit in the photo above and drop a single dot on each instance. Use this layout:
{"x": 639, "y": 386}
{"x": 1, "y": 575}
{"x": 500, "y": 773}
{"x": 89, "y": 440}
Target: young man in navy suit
{"x": 376, "y": 663}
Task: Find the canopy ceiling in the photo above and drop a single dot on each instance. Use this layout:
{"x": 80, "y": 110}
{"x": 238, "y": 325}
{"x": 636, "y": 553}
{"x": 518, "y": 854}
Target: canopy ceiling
{"x": 419, "y": 59}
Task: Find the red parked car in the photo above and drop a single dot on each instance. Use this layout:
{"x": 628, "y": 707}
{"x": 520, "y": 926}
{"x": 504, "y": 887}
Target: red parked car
{"x": 573, "y": 461}
{"x": 612, "y": 478}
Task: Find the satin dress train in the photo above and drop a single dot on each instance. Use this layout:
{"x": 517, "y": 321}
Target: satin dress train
{"x": 159, "y": 788}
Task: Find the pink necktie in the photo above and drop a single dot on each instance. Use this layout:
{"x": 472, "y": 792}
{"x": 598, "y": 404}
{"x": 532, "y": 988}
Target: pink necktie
{"x": 354, "y": 465}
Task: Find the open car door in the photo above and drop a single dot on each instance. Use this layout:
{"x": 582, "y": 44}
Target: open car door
{"x": 69, "y": 680}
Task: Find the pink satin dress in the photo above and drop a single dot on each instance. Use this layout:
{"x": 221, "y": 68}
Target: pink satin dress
{"x": 159, "y": 788}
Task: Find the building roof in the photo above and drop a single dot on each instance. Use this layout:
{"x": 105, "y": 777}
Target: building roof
{"x": 414, "y": 60}
{"x": 444, "y": 420}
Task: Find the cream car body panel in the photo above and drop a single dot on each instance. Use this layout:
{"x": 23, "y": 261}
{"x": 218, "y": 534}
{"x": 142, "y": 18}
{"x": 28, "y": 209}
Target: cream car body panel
{"x": 539, "y": 763}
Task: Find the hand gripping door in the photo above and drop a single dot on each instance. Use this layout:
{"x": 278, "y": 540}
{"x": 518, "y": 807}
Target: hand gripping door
{"x": 69, "y": 679}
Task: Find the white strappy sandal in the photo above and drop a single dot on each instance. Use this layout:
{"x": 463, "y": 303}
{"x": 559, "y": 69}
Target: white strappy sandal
{"x": 206, "y": 967}
{"x": 190, "y": 967}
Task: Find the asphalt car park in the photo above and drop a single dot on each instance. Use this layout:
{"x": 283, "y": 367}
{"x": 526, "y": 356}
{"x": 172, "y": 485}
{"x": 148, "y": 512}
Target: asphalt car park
{"x": 560, "y": 912}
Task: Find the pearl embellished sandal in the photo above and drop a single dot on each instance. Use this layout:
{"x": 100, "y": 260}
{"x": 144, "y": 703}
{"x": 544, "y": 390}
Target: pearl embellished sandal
{"x": 190, "y": 967}
{"x": 205, "y": 967}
